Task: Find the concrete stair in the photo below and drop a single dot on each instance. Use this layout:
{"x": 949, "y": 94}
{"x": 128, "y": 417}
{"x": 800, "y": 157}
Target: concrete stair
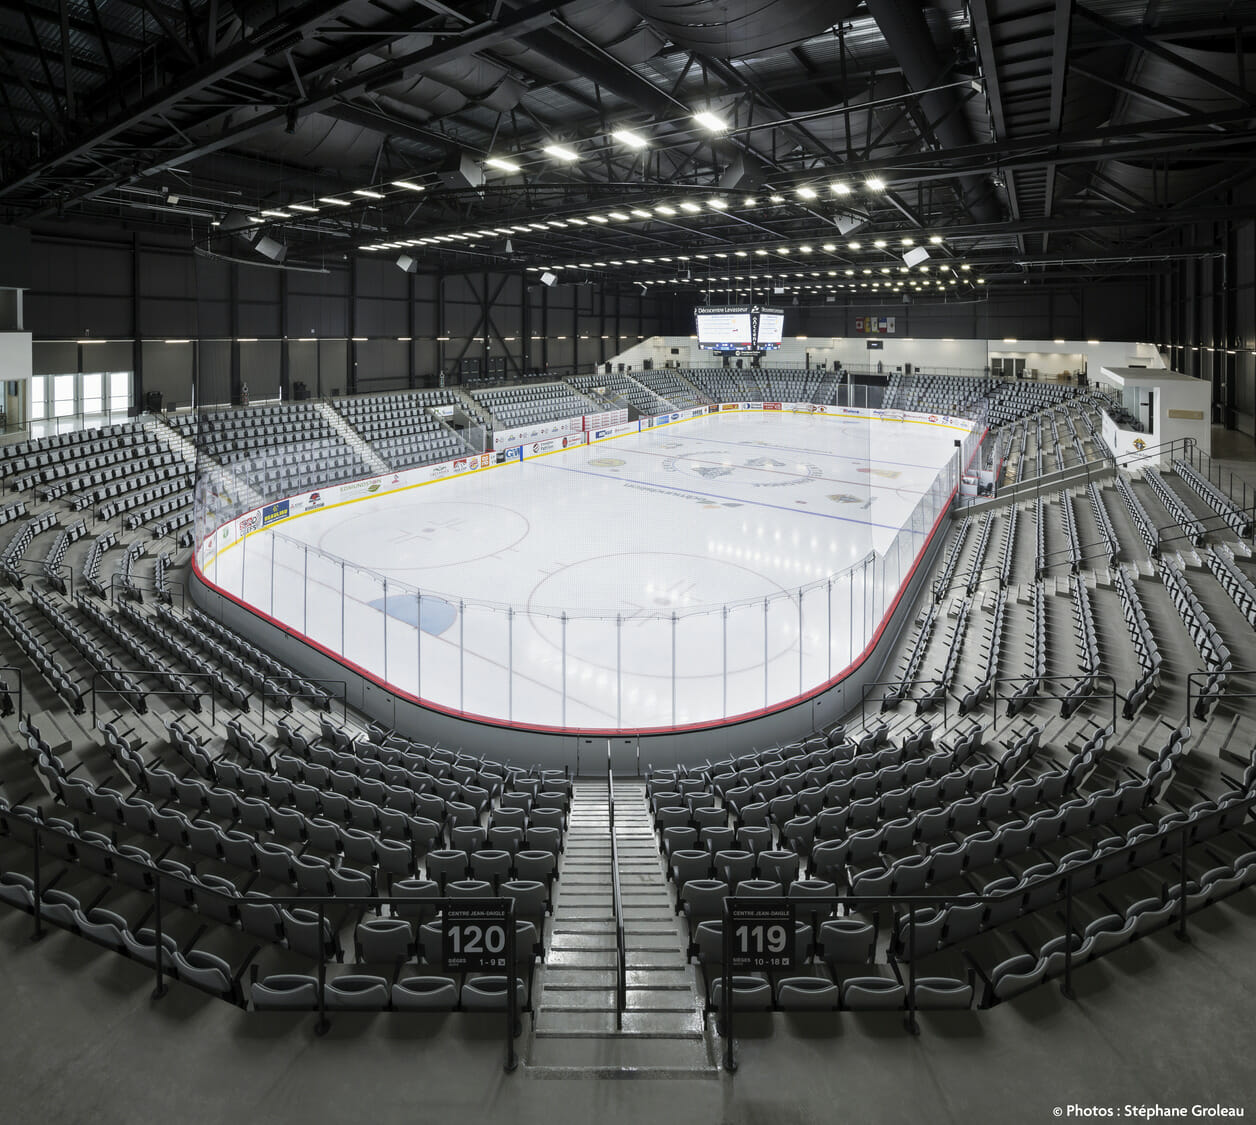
{"x": 663, "y": 1032}
{"x": 353, "y": 439}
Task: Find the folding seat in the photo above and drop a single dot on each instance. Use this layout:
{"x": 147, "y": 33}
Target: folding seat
{"x": 285, "y": 991}
{"x": 750, "y": 993}
{"x": 733, "y": 866}
{"x": 492, "y": 865}
{"x": 384, "y": 940}
{"x": 99, "y": 925}
{"x": 302, "y": 935}
{"x": 143, "y": 946}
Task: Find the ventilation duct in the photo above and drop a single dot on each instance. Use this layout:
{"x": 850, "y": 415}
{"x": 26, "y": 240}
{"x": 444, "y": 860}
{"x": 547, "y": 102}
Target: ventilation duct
{"x": 907, "y": 35}
{"x": 728, "y": 29}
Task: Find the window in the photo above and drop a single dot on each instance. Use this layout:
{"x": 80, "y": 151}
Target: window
{"x": 119, "y": 391}
{"x": 93, "y": 393}
{"x": 38, "y": 404}
{"x": 63, "y": 399}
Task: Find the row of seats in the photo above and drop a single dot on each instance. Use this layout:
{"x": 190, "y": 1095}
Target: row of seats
{"x": 92, "y": 652}
{"x": 44, "y": 658}
{"x": 1145, "y": 649}
{"x": 15, "y": 549}
{"x": 1204, "y": 635}
{"x": 1111, "y": 545}
{"x": 1147, "y": 530}
{"x": 1178, "y": 512}
{"x": 1238, "y": 520}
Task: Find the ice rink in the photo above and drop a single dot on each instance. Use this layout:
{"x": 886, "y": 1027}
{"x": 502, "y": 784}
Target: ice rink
{"x": 691, "y": 572}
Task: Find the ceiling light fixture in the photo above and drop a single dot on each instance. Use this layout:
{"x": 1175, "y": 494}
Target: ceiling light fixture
{"x": 408, "y": 185}
{"x": 561, "y": 152}
{"x": 709, "y": 121}
{"x": 629, "y": 139}
{"x": 502, "y": 164}
{"x": 367, "y": 193}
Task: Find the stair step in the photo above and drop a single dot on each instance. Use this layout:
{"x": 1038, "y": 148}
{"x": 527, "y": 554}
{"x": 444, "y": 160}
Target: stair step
{"x": 644, "y": 1025}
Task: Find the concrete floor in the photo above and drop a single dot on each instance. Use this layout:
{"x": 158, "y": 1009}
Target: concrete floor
{"x": 1156, "y": 1023}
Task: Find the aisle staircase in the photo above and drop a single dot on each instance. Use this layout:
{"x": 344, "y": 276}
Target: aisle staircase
{"x": 353, "y": 439}
{"x": 663, "y": 1032}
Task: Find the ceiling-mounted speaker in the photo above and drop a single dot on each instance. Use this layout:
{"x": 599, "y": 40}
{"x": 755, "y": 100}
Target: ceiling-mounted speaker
{"x": 269, "y": 248}
{"x": 233, "y": 221}
{"x": 915, "y": 256}
{"x": 847, "y": 223}
{"x": 460, "y": 170}
{"x": 548, "y": 278}
{"x": 407, "y": 264}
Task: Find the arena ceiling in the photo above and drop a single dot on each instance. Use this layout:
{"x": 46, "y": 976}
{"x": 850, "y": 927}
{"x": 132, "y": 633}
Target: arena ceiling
{"x": 659, "y": 142}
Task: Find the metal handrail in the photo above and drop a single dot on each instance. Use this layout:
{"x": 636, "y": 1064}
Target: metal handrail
{"x": 907, "y": 685}
{"x": 621, "y": 950}
{"x": 146, "y": 692}
{"x": 1114, "y": 695}
{"x": 317, "y": 682}
{"x": 17, "y": 672}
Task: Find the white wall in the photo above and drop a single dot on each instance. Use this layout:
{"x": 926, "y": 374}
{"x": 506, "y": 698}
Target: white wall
{"x": 16, "y": 355}
{"x": 927, "y": 354}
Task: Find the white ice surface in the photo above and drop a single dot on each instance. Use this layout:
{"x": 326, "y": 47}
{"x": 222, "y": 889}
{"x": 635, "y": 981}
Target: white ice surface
{"x": 738, "y": 510}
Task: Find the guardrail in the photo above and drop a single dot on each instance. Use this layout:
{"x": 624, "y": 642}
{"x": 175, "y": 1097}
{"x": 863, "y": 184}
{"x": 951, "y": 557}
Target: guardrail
{"x": 145, "y": 692}
{"x": 907, "y": 685}
{"x": 4, "y": 670}
{"x": 318, "y": 682}
{"x": 621, "y": 950}
{"x": 1113, "y": 694}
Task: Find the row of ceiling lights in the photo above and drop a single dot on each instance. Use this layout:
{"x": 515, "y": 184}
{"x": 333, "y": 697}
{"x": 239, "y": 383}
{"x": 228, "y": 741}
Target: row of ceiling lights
{"x": 659, "y": 211}
{"x": 627, "y": 138}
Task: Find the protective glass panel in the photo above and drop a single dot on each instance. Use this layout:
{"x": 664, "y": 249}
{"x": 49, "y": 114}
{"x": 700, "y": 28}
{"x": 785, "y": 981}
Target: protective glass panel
{"x": 484, "y": 662}
{"x": 364, "y": 619}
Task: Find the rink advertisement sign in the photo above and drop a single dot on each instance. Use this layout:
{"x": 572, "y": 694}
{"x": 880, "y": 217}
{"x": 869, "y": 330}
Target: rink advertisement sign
{"x": 613, "y": 431}
{"x": 505, "y": 455}
{"x": 771, "y": 406}
{"x": 552, "y": 445}
{"x": 273, "y": 513}
{"x": 540, "y": 430}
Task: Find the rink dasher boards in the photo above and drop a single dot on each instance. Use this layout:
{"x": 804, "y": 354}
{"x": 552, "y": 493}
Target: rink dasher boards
{"x": 617, "y": 662}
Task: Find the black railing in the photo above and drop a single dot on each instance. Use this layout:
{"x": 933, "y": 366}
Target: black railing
{"x": 5, "y": 671}
{"x": 907, "y": 685}
{"x": 266, "y": 694}
{"x": 99, "y": 684}
{"x": 1188, "y": 833}
{"x": 28, "y": 830}
{"x": 1198, "y": 697}
{"x": 621, "y": 945}
{"x": 1112, "y": 694}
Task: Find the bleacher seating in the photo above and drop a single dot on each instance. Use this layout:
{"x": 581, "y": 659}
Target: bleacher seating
{"x": 401, "y": 427}
{"x": 514, "y": 407}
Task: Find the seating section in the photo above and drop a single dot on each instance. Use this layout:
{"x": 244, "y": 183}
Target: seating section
{"x": 513, "y": 407}
{"x": 254, "y": 843}
{"x": 615, "y": 392}
{"x": 1181, "y": 515}
{"x": 956, "y": 395}
{"x": 280, "y": 450}
{"x": 401, "y": 427}
{"x": 1147, "y": 530}
{"x": 1238, "y": 520}
{"x": 1145, "y": 649}
{"x": 670, "y": 387}
{"x": 1208, "y": 642}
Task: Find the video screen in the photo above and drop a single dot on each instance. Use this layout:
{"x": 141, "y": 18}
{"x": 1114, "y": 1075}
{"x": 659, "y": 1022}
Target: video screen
{"x": 771, "y": 327}
{"x": 724, "y": 329}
